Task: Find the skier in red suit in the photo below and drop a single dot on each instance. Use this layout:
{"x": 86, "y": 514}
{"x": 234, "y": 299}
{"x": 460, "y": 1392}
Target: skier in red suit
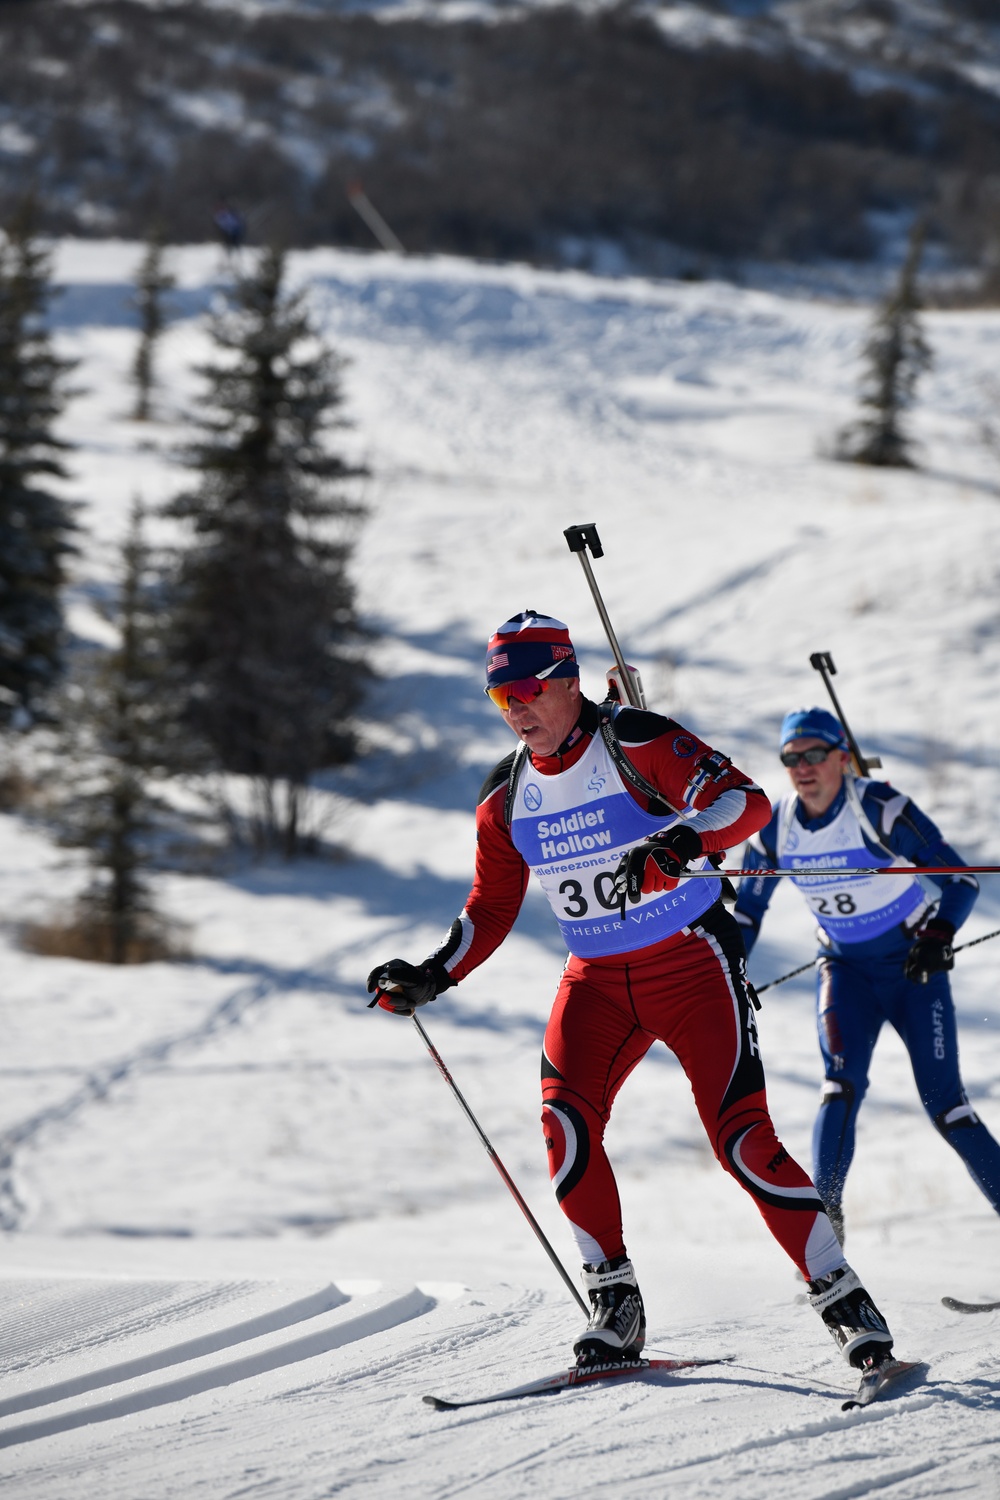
{"x": 608, "y": 806}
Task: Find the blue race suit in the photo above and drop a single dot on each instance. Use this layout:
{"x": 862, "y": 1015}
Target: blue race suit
{"x": 866, "y": 927}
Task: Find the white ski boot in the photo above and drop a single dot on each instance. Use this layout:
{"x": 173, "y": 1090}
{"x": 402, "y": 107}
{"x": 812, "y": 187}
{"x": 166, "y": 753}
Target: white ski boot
{"x": 858, "y": 1328}
{"x": 617, "y": 1328}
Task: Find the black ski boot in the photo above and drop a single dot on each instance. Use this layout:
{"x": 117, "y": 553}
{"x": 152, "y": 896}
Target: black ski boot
{"x": 858, "y": 1328}
{"x": 617, "y": 1328}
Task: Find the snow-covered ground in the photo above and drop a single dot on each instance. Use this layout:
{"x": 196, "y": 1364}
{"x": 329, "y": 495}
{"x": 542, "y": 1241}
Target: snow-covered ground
{"x": 246, "y": 1225}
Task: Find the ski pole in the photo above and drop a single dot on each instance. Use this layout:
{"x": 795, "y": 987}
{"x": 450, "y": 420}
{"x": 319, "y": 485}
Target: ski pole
{"x": 972, "y": 943}
{"x": 579, "y": 538}
{"x": 760, "y": 988}
{"x": 823, "y": 662}
{"x": 824, "y": 872}
{"x": 508, "y": 1180}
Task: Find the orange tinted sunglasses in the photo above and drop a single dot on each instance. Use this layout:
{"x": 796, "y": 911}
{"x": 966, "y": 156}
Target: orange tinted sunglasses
{"x": 524, "y": 690}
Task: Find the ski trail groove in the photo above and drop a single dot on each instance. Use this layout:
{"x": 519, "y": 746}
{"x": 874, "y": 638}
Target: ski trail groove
{"x": 173, "y": 1354}
{"x": 411, "y": 1365}
{"x": 375, "y": 1319}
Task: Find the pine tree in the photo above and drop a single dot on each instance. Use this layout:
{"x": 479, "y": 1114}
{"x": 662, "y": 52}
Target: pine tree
{"x": 123, "y": 730}
{"x": 35, "y": 525}
{"x": 152, "y": 283}
{"x": 895, "y": 355}
{"x": 263, "y": 608}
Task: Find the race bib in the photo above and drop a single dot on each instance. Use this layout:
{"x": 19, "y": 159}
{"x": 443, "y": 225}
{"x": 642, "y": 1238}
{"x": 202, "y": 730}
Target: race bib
{"x": 573, "y": 829}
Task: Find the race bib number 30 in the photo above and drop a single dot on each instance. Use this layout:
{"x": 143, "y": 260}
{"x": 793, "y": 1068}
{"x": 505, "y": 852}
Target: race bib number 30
{"x": 573, "y": 829}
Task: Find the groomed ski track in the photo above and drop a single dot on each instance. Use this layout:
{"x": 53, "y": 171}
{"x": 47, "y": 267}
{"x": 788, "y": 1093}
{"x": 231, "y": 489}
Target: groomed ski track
{"x": 210, "y": 1382}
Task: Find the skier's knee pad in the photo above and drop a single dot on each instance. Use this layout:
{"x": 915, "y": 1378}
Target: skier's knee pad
{"x": 567, "y": 1141}
{"x": 839, "y": 1091}
{"x": 759, "y": 1162}
{"x": 960, "y": 1116}
{"x": 756, "y": 1158}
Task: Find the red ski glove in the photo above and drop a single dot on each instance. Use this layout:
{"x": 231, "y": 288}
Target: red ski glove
{"x": 402, "y": 987}
{"x": 656, "y": 864}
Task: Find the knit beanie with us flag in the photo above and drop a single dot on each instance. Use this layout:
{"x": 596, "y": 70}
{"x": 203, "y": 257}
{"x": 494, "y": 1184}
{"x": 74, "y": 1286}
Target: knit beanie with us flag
{"x": 530, "y": 645}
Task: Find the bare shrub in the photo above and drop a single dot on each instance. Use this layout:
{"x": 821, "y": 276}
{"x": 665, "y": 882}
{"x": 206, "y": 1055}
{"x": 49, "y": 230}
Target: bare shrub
{"x": 94, "y": 938}
{"x": 18, "y": 790}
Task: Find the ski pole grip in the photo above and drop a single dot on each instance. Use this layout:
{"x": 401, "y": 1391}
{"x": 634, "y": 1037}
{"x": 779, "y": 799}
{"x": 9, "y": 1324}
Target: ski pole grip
{"x": 388, "y": 989}
{"x": 579, "y": 538}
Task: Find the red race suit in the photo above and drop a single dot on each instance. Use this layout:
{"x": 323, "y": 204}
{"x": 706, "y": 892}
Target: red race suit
{"x": 673, "y": 967}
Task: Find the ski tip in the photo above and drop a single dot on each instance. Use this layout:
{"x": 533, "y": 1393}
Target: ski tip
{"x": 439, "y": 1403}
{"x": 874, "y": 1383}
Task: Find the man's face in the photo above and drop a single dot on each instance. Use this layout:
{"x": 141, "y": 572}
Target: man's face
{"x": 544, "y": 723}
{"x": 817, "y": 785}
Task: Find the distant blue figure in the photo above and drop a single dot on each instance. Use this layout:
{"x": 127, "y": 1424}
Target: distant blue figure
{"x": 885, "y": 946}
{"x": 231, "y": 225}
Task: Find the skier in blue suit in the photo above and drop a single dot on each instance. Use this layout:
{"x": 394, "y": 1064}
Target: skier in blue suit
{"x": 885, "y": 945}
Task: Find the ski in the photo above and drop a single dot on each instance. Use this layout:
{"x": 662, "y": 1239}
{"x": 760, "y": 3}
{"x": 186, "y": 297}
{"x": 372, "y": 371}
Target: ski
{"x": 572, "y": 1379}
{"x": 969, "y": 1307}
{"x": 874, "y": 1382}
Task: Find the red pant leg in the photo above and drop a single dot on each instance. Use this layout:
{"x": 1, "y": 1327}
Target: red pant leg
{"x": 691, "y": 994}
{"x": 701, "y": 1009}
{"x": 592, "y": 1043}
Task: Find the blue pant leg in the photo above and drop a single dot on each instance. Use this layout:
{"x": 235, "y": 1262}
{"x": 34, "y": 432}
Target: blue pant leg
{"x": 924, "y": 1016}
{"x": 848, "y": 1021}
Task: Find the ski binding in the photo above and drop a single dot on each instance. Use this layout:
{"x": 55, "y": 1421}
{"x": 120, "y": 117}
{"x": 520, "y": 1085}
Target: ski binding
{"x": 875, "y": 1380}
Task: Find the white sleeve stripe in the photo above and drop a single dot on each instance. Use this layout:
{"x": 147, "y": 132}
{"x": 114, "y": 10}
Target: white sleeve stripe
{"x": 468, "y": 935}
{"x": 891, "y": 811}
{"x": 723, "y": 812}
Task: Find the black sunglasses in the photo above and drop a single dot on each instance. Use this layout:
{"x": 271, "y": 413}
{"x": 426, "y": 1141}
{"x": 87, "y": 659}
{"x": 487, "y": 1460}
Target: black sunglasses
{"x": 812, "y": 757}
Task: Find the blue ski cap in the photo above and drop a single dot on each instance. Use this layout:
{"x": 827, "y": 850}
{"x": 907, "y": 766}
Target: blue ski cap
{"x": 812, "y": 724}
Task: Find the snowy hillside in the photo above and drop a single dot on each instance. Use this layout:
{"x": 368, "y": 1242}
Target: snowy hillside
{"x": 245, "y": 1224}
{"x": 687, "y": 139}
{"x": 883, "y": 43}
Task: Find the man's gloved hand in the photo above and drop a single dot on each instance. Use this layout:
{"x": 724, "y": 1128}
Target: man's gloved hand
{"x": 401, "y": 987}
{"x": 931, "y": 953}
{"x": 656, "y": 864}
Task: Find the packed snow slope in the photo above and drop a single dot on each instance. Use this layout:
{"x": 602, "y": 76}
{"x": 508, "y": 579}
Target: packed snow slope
{"x": 246, "y": 1226}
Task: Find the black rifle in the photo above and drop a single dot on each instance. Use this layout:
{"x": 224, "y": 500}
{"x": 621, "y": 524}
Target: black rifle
{"x": 823, "y": 662}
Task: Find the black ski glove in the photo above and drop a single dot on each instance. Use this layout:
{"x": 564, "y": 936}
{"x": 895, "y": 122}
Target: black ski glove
{"x": 401, "y": 987}
{"x": 932, "y": 953}
{"x": 656, "y": 863}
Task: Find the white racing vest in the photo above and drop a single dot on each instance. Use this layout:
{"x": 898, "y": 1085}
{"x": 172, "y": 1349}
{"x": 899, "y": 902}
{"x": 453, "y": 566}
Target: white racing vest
{"x": 572, "y": 830}
{"x": 850, "y": 909}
